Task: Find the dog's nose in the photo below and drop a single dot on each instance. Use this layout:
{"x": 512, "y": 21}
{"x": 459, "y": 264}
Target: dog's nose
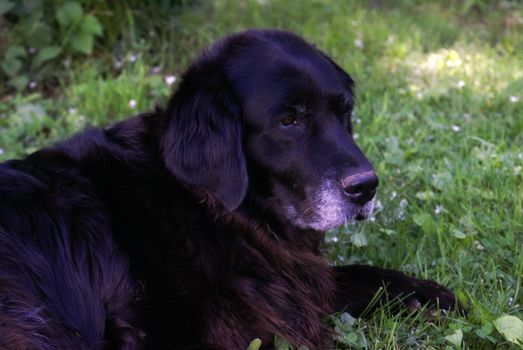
{"x": 361, "y": 187}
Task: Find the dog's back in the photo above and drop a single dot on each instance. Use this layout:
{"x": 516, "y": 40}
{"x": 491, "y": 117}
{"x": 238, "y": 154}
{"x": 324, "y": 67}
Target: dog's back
{"x": 62, "y": 283}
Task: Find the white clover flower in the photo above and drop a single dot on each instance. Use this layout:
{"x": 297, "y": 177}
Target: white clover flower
{"x": 403, "y": 203}
{"x": 80, "y": 121}
{"x": 132, "y": 104}
{"x": 393, "y": 195}
{"x": 358, "y": 42}
{"x": 132, "y": 57}
{"x": 81, "y": 118}
{"x": 479, "y": 246}
{"x": 169, "y": 79}
{"x": 514, "y": 99}
{"x": 461, "y": 84}
{"x": 391, "y": 39}
{"x": 456, "y": 128}
{"x": 1, "y": 151}
{"x": 32, "y": 85}
{"x": 438, "y": 209}
{"x": 118, "y": 64}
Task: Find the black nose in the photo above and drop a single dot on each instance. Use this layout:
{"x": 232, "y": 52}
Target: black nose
{"x": 361, "y": 187}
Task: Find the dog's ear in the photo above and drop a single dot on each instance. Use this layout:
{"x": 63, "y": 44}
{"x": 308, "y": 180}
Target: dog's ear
{"x": 203, "y": 143}
{"x": 344, "y": 76}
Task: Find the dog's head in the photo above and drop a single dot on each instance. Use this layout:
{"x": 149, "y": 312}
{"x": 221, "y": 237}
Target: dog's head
{"x": 265, "y": 112}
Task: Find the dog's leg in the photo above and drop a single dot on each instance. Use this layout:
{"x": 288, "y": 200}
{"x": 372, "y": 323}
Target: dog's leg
{"x": 359, "y": 285}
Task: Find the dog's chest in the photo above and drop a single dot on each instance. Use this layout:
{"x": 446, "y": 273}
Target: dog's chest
{"x": 275, "y": 292}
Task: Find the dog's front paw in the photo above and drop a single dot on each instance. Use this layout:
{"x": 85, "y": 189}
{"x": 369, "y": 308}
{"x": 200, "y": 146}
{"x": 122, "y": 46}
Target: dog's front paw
{"x": 432, "y": 295}
{"x": 357, "y": 284}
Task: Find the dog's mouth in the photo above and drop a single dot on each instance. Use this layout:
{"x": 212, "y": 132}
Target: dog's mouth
{"x": 360, "y": 217}
{"x": 327, "y": 208}
{"x": 366, "y": 210}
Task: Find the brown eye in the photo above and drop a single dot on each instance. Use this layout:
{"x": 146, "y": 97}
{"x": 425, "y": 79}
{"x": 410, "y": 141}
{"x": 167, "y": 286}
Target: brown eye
{"x": 288, "y": 120}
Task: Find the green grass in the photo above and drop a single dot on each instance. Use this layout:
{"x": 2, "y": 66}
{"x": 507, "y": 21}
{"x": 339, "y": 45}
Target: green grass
{"x": 439, "y": 112}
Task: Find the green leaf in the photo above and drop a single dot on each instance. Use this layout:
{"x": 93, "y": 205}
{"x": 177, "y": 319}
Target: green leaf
{"x": 20, "y": 82}
{"x": 423, "y": 220}
{"x": 11, "y": 67}
{"x": 511, "y": 328}
{"x": 82, "y": 42}
{"x": 39, "y": 36}
{"x": 91, "y": 25}
{"x": 46, "y": 54}
{"x": 359, "y": 239}
{"x": 455, "y": 338}
{"x": 508, "y": 45}
{"x": 481, "y": 334}
{"x": 425, "y": 195}
{"x": 31, "y": 6}
{"x": 485, "y": 330}
{"x": 443, "y": 181}
{"x": 281, "y": 344}
{"x": 388, "y": 231}
{"x": 458, "y": 234}
{"x": 351, "y": 338}
{"x": 6, "y": 6}
{"x": 255, "y": 344}
{"x": 29, "y": 112}
{"x": 69, "y": 13}
{"x": 15, "y": 52}
{"x": 478, "y": 312}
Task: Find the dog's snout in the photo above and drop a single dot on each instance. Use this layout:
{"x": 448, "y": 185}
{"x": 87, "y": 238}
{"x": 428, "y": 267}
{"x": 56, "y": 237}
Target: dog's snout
{"x": 360, "y": 187}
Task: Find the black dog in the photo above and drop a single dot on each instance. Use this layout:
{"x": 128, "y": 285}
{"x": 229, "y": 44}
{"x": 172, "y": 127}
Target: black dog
{"x": 197, "y": 226}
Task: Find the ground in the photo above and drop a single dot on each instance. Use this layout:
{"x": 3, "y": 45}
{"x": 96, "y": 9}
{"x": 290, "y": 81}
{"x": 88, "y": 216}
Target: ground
{"x": 439, "y": 112}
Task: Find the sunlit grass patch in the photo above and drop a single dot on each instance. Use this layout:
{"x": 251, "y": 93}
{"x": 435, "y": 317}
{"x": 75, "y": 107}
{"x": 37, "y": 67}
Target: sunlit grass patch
{"x": 460, "y": 67}
{"x": 102, "y": 99}
{"x": 90, "y": 98}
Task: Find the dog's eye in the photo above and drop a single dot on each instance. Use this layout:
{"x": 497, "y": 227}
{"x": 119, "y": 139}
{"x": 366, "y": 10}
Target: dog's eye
{"x": 288, "y": 120}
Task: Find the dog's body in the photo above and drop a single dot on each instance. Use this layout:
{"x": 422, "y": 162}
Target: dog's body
{"x": 200, "y": 225}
